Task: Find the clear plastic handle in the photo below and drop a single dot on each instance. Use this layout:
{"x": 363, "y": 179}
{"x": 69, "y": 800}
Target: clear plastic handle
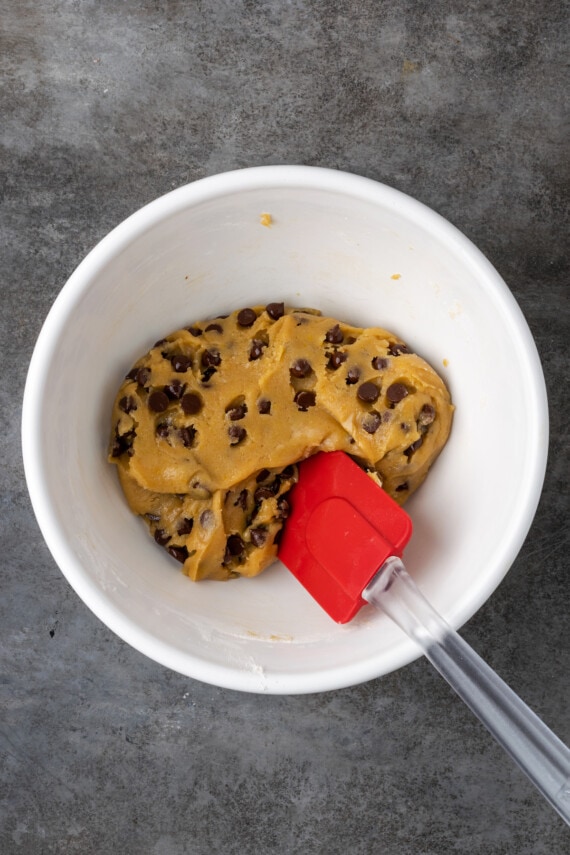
{"x": 531, "y": 744}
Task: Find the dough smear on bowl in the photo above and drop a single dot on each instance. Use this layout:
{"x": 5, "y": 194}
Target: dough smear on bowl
{"x": 208, "y": 426}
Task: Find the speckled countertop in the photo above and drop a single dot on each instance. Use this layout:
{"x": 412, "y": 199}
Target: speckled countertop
{"x": 106, "y": 105}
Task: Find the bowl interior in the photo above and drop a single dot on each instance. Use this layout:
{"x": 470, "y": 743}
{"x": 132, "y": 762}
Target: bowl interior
{"x": 359, "y": 252}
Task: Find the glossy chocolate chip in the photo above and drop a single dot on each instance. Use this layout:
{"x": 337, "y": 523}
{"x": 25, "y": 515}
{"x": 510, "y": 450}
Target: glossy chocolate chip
{"x": 262, "y": 493}
{"x": 368, "y": 392}
{"x": 185, "y": 527}
{"x": 158, "y": 402}
{"x": 187, "y": 436}
{"x": 236, "y": 434}
{"x": 380, "y": 363}
{"x": 371, "y": 422}
{"x": 178, "y": 552}
{"x": 404, "y": 486}
{"x": 258, "y": 536}
{"x": 209, "y": 372}
{"x": 140, "y": 375}
{"x": 214, "y": 328}
{"x": 191, "y": 403}
{"x": 336, "y": 359}
{"x": 180, "y": 362}
{"x": 161, "y": 537}
{"x": 300, "y": 368}
{"x": 246, "y": 318}
{"x": 426, "y": 416}
{"x": 264, "y": 407}
{"x": 396, "y": 393}
{"x": 334, "y": 335}
{"x": 275, "y": 310}
{"x": 127, "y": 404}
{"x": 397, "y": 349}
{"x": 235, "y": 545}
{"x": 237, "y": 412}
{"x": 162, "y": 430}
{"x": 262, "y": 475}
{"x": 411, "y": 449}
{"x": 256, "y": 349}
{"x": 305, "y": 399}
{"x": 352, "y": 376}
{"x": 288, "y": 472}
{"x": 195, "y": 331}
{"x": 174, "y": 390}
{"x": 210, "y": 358}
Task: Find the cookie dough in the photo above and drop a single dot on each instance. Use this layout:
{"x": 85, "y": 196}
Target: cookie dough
{"x": 207, "y": 427}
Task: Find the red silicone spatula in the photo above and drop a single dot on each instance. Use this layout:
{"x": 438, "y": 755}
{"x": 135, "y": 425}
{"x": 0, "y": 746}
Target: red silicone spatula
{"x": 343, "y": 541}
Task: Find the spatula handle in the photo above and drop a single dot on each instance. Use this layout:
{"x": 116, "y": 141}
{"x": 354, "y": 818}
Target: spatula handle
{"x": 536, "y": 749}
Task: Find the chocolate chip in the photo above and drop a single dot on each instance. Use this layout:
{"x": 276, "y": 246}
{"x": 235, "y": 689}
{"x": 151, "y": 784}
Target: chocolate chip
{"x": 334, "y": 335}
{"x": 426, "y": 416}
{"x": 336, "y": 359}
{"x": 152, "y": 517}
{"x": 352, "y": 376}
{"x": 300, "y": 368}
{"x": 368, "y": 392}
{"x": 162, "y": 430}
{"x": 241, "y": 500}
{"x": 214, "y": 328}
{"x": 288, "y": 472}
{"x": 305, "y": 399}
{"x": 404, "y": 486}
{"x": 162, "y": 537}
{"x": 264, "y": 407}
{"x": 237, "y": 412}
{"x": 141, "y": 375}
{"x": 160, "y": 342}
{"x": 207, "y": 374}
{"x": 262, "y": 475}
{"x": 181, "y": 362}
{"x": 246, "y": 318}
{"x": 191, "y": 403}
{"x": 371, "y": 422}
{"x": 127, "y": 404}
{"x": 235, "y": 545}
{"x": 258, "y": 536}
{"x": 187, "y": 436}
{"x": 122, "y": 444}
{"x": 263, "y": 493}
{"x": 210, "y": 358}
{"x": 158, "y": 402}
{"x": 275, "y": 310}
{"x": 411, "y": 449}
{"x": 256, "y": 350}
{"x": 195, "y": 331}
{"x": 380, "y": 363}
{"x": 284, "y": 507}
{"x": 178, "y": 552}
{"x": 174, "y": 390}
{"x": 396, "y": 393}
{"x": 237, "y": 434}
{"x": 185, "y": 527}
{"x": 397, "y": 349}
{"x": 404, "y": 426}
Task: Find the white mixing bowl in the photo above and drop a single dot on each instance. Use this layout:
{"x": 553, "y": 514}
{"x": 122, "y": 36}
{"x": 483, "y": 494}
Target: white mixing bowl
{"x": 361, "y": 252}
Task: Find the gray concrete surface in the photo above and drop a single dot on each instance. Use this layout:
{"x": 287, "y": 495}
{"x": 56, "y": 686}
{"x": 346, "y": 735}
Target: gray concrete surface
{"x": 106, "y": 105}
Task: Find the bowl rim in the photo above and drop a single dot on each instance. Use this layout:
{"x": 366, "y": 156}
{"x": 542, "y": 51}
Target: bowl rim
{"x": 192, "y": 194}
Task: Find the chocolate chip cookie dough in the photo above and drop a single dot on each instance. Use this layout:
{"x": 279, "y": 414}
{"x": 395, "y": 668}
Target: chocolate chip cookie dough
{"x": 207, "y": 427}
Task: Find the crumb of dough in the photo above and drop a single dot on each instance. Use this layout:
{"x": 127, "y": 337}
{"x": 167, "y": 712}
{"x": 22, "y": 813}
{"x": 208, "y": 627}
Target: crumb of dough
{"x": 266, "y": 220}
{"x": 396, "y": 276}
{"x": 209, "y": 425}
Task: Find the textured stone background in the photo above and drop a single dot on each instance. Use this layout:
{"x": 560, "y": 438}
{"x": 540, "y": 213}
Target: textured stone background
{"x": 107, "y": 105}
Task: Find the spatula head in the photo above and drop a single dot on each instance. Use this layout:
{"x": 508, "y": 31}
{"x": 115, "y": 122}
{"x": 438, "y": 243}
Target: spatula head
{"x": 341, "y": 529}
